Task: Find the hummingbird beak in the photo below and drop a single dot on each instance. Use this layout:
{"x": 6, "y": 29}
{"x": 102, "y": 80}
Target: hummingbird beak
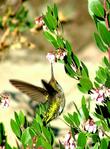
{"x": 52, "y": 72}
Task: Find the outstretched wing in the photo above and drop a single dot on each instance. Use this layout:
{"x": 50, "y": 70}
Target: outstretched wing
{"x": 34, "y": 92}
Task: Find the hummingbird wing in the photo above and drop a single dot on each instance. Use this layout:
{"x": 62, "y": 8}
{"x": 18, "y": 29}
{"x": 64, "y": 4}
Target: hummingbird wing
{"x": 34, "y": 92}
{"x": 49, "y": 88}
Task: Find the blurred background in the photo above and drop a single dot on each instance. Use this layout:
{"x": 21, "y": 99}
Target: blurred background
{"x": 23, "y": 50}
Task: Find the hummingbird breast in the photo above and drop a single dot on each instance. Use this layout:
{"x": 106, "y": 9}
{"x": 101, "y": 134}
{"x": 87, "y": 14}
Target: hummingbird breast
{"x": 55, "y": 107}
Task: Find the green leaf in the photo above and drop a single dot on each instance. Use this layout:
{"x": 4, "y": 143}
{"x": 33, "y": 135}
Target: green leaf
{"x": 42, "y": 143}
{"x": 68, "y": 120}
{"x": 55, "y": 9}
{"x": 1, "y": 20}
{"x": 99, "y": 80}
{"x": 61, "y": 146}
{"x": 39, "y": 120}
{"x": 47, "y": 23}
{"x": 70, "y": 71}
{"x": 17, "y": 119}
{"x": 29, "y": 23}
{"x": 85, "y": 85}
{"x": 104, "y": 33}
{"x": 7, "y": 146}
{"x": 22, "y": 14}
{"x": 68, "y": 47}
{"x": 52, "y": 135}
{"x": 107, "y": 82}
{"x": 108, "y": 4}
{"x": 60, "y": 42}
{"x": 12, "y": 27}
{"x": 98, "y": 116}
{"x": 71, "y": 117}
{"x": 81, "y": 140}
{"x": 15, "y": 128}
{"x": 100, "y": 43}
{"x": 75, "y": 60}
{"x": 95, "y": 138}
{"x": 84, "y": 72}
{"x": 19, "y": 12}
{"x": 105, "y": 126}
{"x": 21, "y": 118}
{"x": 26, "y": 138}
{"x": 76, "y": 119}
{"x": 103, "y": 144}
{"x": 51, "y": 38}
{"x": 50, "y": 18}
{"x": 84, "y": 108}
{"x": 108, "y": 105}
{"x": 101, "y": 75}
{"x": 105, "y": 60}
{"x": 96, "y": 84}
{"x": 96, "y": 146}
{"x": 46, "y": 134}
{"x": 68, "y": 59}
{"x": 36, "y": 127}
{"x": 96, "y": 8}
{"x": 32, "y": 132}
{"x": 22, "y": 27}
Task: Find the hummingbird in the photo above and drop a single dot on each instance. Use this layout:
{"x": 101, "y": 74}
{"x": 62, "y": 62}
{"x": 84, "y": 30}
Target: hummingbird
{"x": 52, "y": 93}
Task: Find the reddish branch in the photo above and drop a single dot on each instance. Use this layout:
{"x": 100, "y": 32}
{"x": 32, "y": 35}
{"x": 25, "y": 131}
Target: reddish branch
{"x": 106, "y": 15}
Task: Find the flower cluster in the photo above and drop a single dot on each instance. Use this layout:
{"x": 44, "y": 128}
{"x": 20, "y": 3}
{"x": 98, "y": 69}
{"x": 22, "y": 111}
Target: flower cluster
{"x": 90, "y": 126}
{"x": 40, "y": 23}
{"x": 100, "y": 94}
{"x": 4, "y": 100}
{"x": 68, "y": 142}
{"x": 59, "y": 54}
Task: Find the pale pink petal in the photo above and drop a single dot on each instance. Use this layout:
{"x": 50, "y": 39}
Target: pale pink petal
{"x": 51, "y": 57}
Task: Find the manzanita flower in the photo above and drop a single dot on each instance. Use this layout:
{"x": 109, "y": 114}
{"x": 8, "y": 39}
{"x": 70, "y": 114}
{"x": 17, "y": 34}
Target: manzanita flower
{"x": 59, "y": 54}
{"x": 100, "y": 94}
{"x": 4, "y": 100}
{"x": 97, "y": 94}
{"x": 39, "y": 21}
{"x": 68, "y": 142}
{"x": 51, "y": 57}
{"x": 90, "y": 126}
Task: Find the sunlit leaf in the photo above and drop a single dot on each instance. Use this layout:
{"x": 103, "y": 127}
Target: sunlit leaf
{"x": 26, "y": 137}
{"x": 15, "y": 128}
{"x": 104, "y": 33}
{"x": 81, "y": 141}
{"x": 100, "y": 43}
{"x": 96, "y": 8}
{"x": 41, "y": 142}
{"x": 103, "y": 144}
